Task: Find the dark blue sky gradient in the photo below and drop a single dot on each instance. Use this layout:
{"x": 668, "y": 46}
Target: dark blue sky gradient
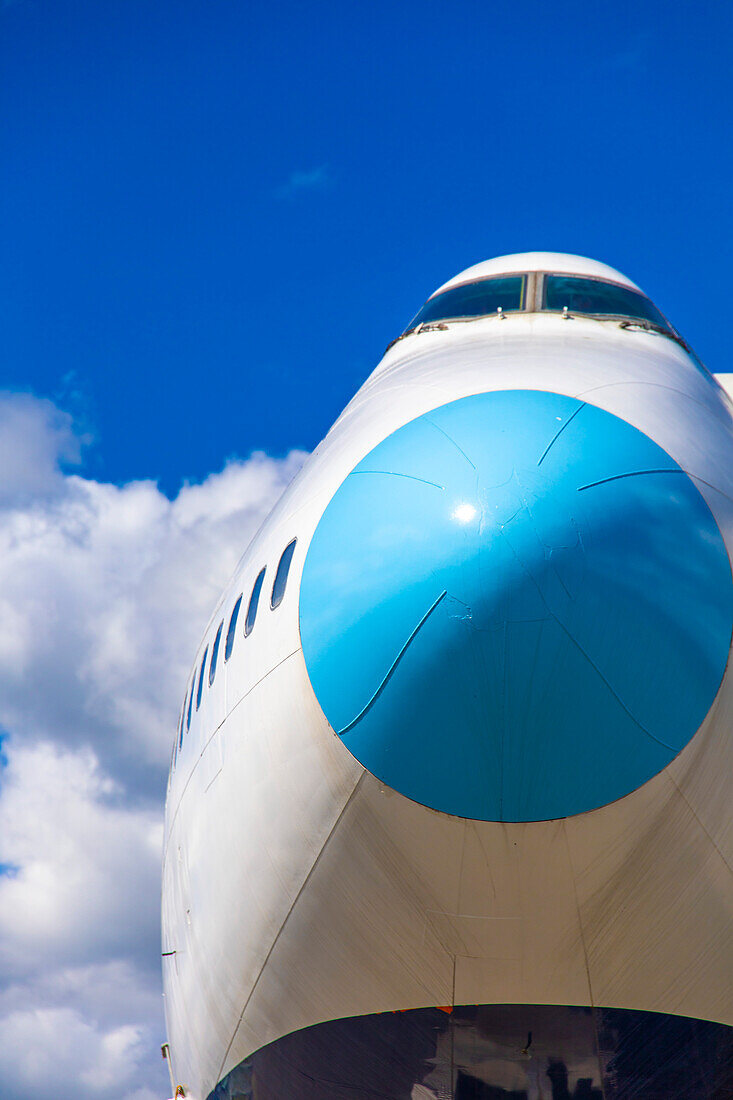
{"x": 215, "y": 215}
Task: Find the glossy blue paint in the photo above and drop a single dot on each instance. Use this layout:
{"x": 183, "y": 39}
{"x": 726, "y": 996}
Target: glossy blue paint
{"x": 516, "y": 607}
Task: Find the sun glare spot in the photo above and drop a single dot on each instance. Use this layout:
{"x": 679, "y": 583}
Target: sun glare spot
{"x": 464, "y": 513}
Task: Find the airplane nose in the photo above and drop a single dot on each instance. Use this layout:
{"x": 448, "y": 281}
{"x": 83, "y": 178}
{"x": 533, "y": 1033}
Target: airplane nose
{"x": 516, "y": 607}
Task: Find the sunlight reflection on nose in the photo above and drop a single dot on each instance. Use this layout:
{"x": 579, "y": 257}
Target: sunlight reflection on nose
{"x": 464, "y": 513}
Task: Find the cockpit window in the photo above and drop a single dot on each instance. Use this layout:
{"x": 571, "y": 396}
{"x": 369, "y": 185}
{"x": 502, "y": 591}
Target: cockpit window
{"x": 477, "y": 299}
{"x": 599, "y": 299}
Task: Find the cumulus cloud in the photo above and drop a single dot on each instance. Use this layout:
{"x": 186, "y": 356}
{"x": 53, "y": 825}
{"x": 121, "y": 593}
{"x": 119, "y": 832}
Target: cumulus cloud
{"x": 86, "y": 866}
{"x": 48, "y": 1049}
{"x": 35, "y": 438}
{"x": 104, "y": 591}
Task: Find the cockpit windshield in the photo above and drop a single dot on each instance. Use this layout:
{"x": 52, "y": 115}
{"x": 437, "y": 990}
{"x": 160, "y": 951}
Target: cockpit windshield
{"x": 537, "y": 291}
{"x": 599, "y": 299}
{"x": 474, "y": 300}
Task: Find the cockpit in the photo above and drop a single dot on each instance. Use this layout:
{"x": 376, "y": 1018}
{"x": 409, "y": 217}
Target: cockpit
{"x": 541, "y": 291}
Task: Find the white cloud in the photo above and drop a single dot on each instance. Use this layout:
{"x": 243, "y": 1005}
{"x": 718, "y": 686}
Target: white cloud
{"x": 88, "y": 865}
{"x": 311, "y": 179}
{"x": 107, "y": 992}
{"x": 104, "y": 591}
{"x": 34, "y": 437}
{"x": 57, "y": 1052}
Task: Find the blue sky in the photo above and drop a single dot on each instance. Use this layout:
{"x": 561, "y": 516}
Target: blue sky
{"x": 217, "y": 214}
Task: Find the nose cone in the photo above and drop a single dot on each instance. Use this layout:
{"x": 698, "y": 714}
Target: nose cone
{"x": 516, "y": 607}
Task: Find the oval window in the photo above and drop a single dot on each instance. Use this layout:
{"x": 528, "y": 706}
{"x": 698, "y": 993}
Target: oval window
{"x": 215, "y": 654}
{"x": 229, "y": 644}
{"x": 281, "y": 577}
{"x": 201, "y": 678}
{"x": 254, "y": 599}
{"x": 190, "y": 703}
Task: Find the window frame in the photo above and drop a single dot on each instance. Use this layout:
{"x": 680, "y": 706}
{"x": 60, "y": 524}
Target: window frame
{"x": 215, "y": 653}
{"x": 544, "y": 308}
{"x": 254, "y": 600}
{"x": 232, "y": 629}
{"x": 190, "y": 702}
{"x": 533, "y": 301}
{"x": 275, "y": 602}
{"x": 179, "y": 738}
{"x": 525, "y": 295}
{"x": 200, "y": 689}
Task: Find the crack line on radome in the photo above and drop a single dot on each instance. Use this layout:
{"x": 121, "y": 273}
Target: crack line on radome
{"x": 393, "y": 666}
{"x": 559, "y": 432}
{"x": 396, "y": 473}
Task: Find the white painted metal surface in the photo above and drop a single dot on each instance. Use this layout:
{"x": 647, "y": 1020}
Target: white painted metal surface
{"x": 297, "y": 888}
{"x": 539, "y": 261}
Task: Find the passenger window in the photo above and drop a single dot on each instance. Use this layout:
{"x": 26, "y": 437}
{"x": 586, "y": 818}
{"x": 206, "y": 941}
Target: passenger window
{"x": 281, "y": 577}
{"x": 215, "y": 654}
{"x": 229, "y": 645}
{"x": 249, "y": 622}
{"x": 201, "y": 678}
{"x": 190, "y": 703}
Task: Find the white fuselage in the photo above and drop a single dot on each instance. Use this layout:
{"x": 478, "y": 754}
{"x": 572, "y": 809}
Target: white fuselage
{"x": 297, "y": 888}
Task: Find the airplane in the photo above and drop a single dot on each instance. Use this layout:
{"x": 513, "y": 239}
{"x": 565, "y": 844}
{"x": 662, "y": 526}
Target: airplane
{"x": 449, "y": 805}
